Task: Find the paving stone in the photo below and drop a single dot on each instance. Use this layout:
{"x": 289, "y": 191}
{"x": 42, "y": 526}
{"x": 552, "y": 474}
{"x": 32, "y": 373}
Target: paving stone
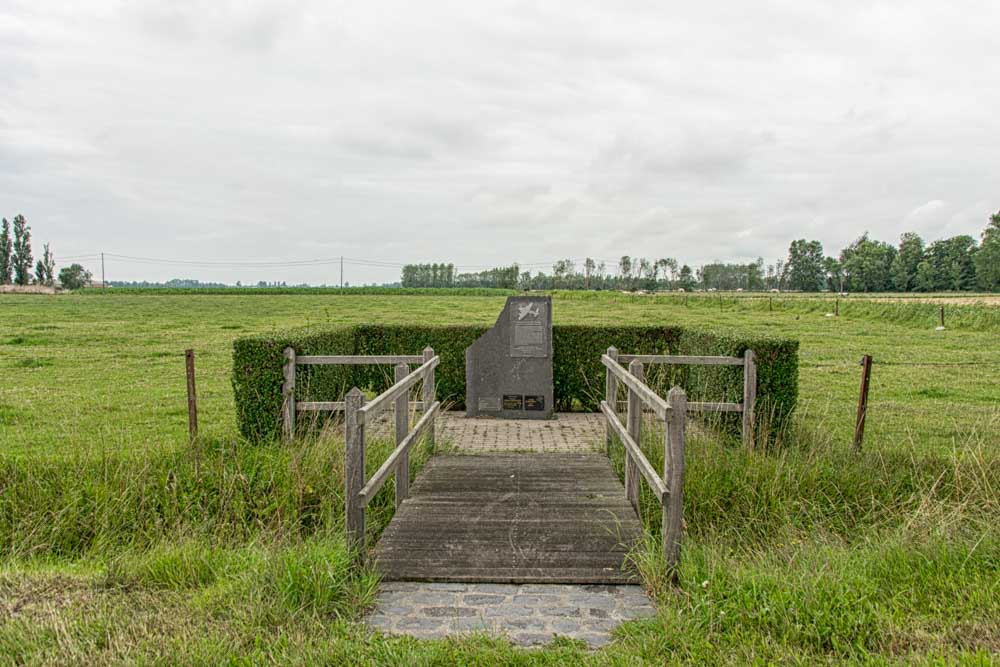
{"x": 509, "y": 610}
{"x": 531, "y": 638}
{"x": 423, "y": 612}
{"x": 448, "y": 612}
{"x": 562, "y": 611}
{"x": 458, "y": 588}
{"x": 569, "y": 627}
{"x": 483, "y": 598}
{"x": 414, "y": 623}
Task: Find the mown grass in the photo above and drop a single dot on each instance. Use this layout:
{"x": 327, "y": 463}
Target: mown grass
{"x": 123, "y": 543}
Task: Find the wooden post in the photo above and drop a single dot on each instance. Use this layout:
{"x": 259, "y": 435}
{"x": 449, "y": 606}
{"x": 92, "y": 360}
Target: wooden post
{"x": 866, "y": 374}
{"x": 402, "y": 410}
{"x": 634, "y": 425}
{"x": 770, "y": 304}
{"x": 192, "y": 396}
{"x": 288, "y": 395}
{"x": 354, "y": 470}
{"x": 429, "y": 394}
{"x": 836, "y": 307}
{"x": 610, "y": 397}
{"x": 749, "y": 396}
{"x": 673, "y": 475}
{"x": 942, "y": 317}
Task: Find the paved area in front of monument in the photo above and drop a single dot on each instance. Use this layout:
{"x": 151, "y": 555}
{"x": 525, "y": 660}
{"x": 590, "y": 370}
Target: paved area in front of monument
{"x": 526, "y": 614}
{"x": 529, "y": 614}
{"x": 569, "y": 433}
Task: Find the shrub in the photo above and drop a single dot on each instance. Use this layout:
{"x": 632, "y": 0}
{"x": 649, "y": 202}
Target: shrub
{"x": 578, "y": 374}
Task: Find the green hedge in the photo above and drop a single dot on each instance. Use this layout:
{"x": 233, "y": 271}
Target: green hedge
{"x": 578, "y": 374}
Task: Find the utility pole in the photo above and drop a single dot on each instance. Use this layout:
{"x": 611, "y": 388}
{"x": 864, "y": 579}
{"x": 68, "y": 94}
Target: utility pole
{"x": 341, "y": 272}
{"x": 104, "y": 283}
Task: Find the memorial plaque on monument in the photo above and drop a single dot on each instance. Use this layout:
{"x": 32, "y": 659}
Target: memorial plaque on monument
{"x": 508, "y": 370}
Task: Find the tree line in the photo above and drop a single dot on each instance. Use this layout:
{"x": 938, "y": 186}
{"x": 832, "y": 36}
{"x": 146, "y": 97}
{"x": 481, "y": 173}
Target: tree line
{"x": 958, "y": 263}
{"x": 16, "y": 260}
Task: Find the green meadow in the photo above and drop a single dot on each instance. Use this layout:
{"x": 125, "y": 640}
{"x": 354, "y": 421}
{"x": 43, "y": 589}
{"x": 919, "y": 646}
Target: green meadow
{"x": 123, "y": 542}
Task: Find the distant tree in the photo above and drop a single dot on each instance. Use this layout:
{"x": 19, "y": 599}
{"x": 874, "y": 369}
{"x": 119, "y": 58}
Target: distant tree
{"x": 21, "y": 257}
{"x": 805, "y": 269}
{"x": 987, "y": 259}
{"x": 45, "y": 268}
{"x": 908, "y": 258}
{"x": 685, "y": 278}
{"x": 74, "y": 277}
{"x": 6, "y": 248}
{"x": 924, "y": 280}
{"x": 952, "y": 261}
{"x": 834, "y": 274}
{"x": 867, "y": 265}
{"x": 588, "y": 269}
{"x": 625, "y": 271}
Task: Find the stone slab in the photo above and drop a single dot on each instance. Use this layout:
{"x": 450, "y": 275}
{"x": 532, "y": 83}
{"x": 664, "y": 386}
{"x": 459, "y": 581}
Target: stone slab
{"x": 508, "y": 370}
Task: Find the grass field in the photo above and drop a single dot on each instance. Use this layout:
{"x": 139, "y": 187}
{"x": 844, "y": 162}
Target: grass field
{"x": 122, "y": 542}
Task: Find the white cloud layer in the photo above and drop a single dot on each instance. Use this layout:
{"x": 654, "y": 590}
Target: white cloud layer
{"x": 484, "y": 133}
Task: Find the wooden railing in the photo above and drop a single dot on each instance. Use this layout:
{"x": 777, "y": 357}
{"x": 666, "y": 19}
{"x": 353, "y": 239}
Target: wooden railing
{"x": 358, "y": 414}
{"x": 290, "y": 407}
{"x": 747, "y": 361}
{"x": 669, "y": 489}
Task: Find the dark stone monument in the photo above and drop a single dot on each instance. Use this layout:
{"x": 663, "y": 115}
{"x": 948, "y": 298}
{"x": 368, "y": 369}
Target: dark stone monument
{"x": 508, "y": 370}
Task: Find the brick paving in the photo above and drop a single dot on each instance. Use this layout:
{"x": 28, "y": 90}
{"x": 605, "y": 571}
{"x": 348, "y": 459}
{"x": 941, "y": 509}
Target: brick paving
{"x": 526, "y": 614}
{"x": 569, "y": 432}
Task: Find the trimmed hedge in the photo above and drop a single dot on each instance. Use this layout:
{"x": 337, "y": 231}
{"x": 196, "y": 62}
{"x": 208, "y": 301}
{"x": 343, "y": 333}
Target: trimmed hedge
{"x": 578, "y": 374}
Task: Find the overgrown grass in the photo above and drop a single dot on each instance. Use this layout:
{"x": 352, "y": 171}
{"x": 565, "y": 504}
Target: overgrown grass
{"x": 122, "y": 543}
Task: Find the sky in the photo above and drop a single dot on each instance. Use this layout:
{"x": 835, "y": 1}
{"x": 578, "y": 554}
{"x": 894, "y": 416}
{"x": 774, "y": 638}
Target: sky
{"x": 243, "y": 137}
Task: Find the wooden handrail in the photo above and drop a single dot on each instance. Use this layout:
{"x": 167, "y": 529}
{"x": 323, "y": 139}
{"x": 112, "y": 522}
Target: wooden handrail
{"x": 383, "y": 400}
{"x": 643, "y": 464}
{"x": 647, "y": 395}
{"x": 681, "y": 360}
{"x": 387, "y": 468}
{"x": 357, "y": 360}
{"x": 337, "y": 406}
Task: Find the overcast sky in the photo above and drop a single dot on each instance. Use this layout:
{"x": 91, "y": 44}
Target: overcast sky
{"x": 484, "y": 133}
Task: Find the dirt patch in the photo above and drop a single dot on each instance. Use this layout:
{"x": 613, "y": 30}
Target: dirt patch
{"x": 27, "y": 289}
{"x": 43, "y": 598}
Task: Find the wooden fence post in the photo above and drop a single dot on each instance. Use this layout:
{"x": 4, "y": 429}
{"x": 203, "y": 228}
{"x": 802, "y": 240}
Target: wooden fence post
{"x": 192, "y": 396}
{"x": 859, "y": 426}
{"x": 429, "y": 394}
{"x": 288, "y": 396}
{"x": 836, "y": 307}
{"x": 749, "y": 396}
{"x": 402, "y": 410}
{"x": 673, "y": 475}
{"x": 942, "y": 317}
{"x": 610, "y": 397}
{"x": 354, "y": 470}
{"x": 634, "y": 426}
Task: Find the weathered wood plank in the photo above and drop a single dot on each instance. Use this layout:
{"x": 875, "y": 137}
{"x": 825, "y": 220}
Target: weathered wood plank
{"x": 520, "y": 518}
{"x": 386, "y": 398}
{"x": 680, "y": 360}
{"x": 645, "y": 467}
{"x": 707, "y": 406}
{"x": 349, "y": 360}
{"x": 648, "y": 396}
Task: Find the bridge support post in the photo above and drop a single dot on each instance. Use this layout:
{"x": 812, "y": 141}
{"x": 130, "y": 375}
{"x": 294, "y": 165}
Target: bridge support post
{"x": 749, "y": 396}
{"x": 673, "y": 475}
{"x": 610, "y": 397}
{"x": 429, "y": 392}
{"x": 288, "y": 395}
{"x": 354, "y": 470}
{"x": 402, "y": 410}
{"x": 634, "y": 425}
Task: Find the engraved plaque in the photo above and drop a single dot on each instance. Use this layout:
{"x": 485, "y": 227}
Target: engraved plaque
{"x": 513, "y": 402}
{"x": 489, "y": 404}
{"x": 534, "y": 403}
{"x": 529, "y": 330}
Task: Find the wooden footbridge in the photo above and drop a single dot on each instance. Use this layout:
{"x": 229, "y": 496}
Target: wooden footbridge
{"x": 514, "y": 517}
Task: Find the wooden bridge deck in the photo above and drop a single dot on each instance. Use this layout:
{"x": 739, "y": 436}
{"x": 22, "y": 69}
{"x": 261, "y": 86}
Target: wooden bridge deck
{"x": 527, "y": 518}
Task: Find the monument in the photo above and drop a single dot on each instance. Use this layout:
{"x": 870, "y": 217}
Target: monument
{"x": 508, "y": 370}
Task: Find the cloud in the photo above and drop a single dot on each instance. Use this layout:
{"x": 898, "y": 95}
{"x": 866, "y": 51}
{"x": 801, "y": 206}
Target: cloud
{"x": 489, "y": 133}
